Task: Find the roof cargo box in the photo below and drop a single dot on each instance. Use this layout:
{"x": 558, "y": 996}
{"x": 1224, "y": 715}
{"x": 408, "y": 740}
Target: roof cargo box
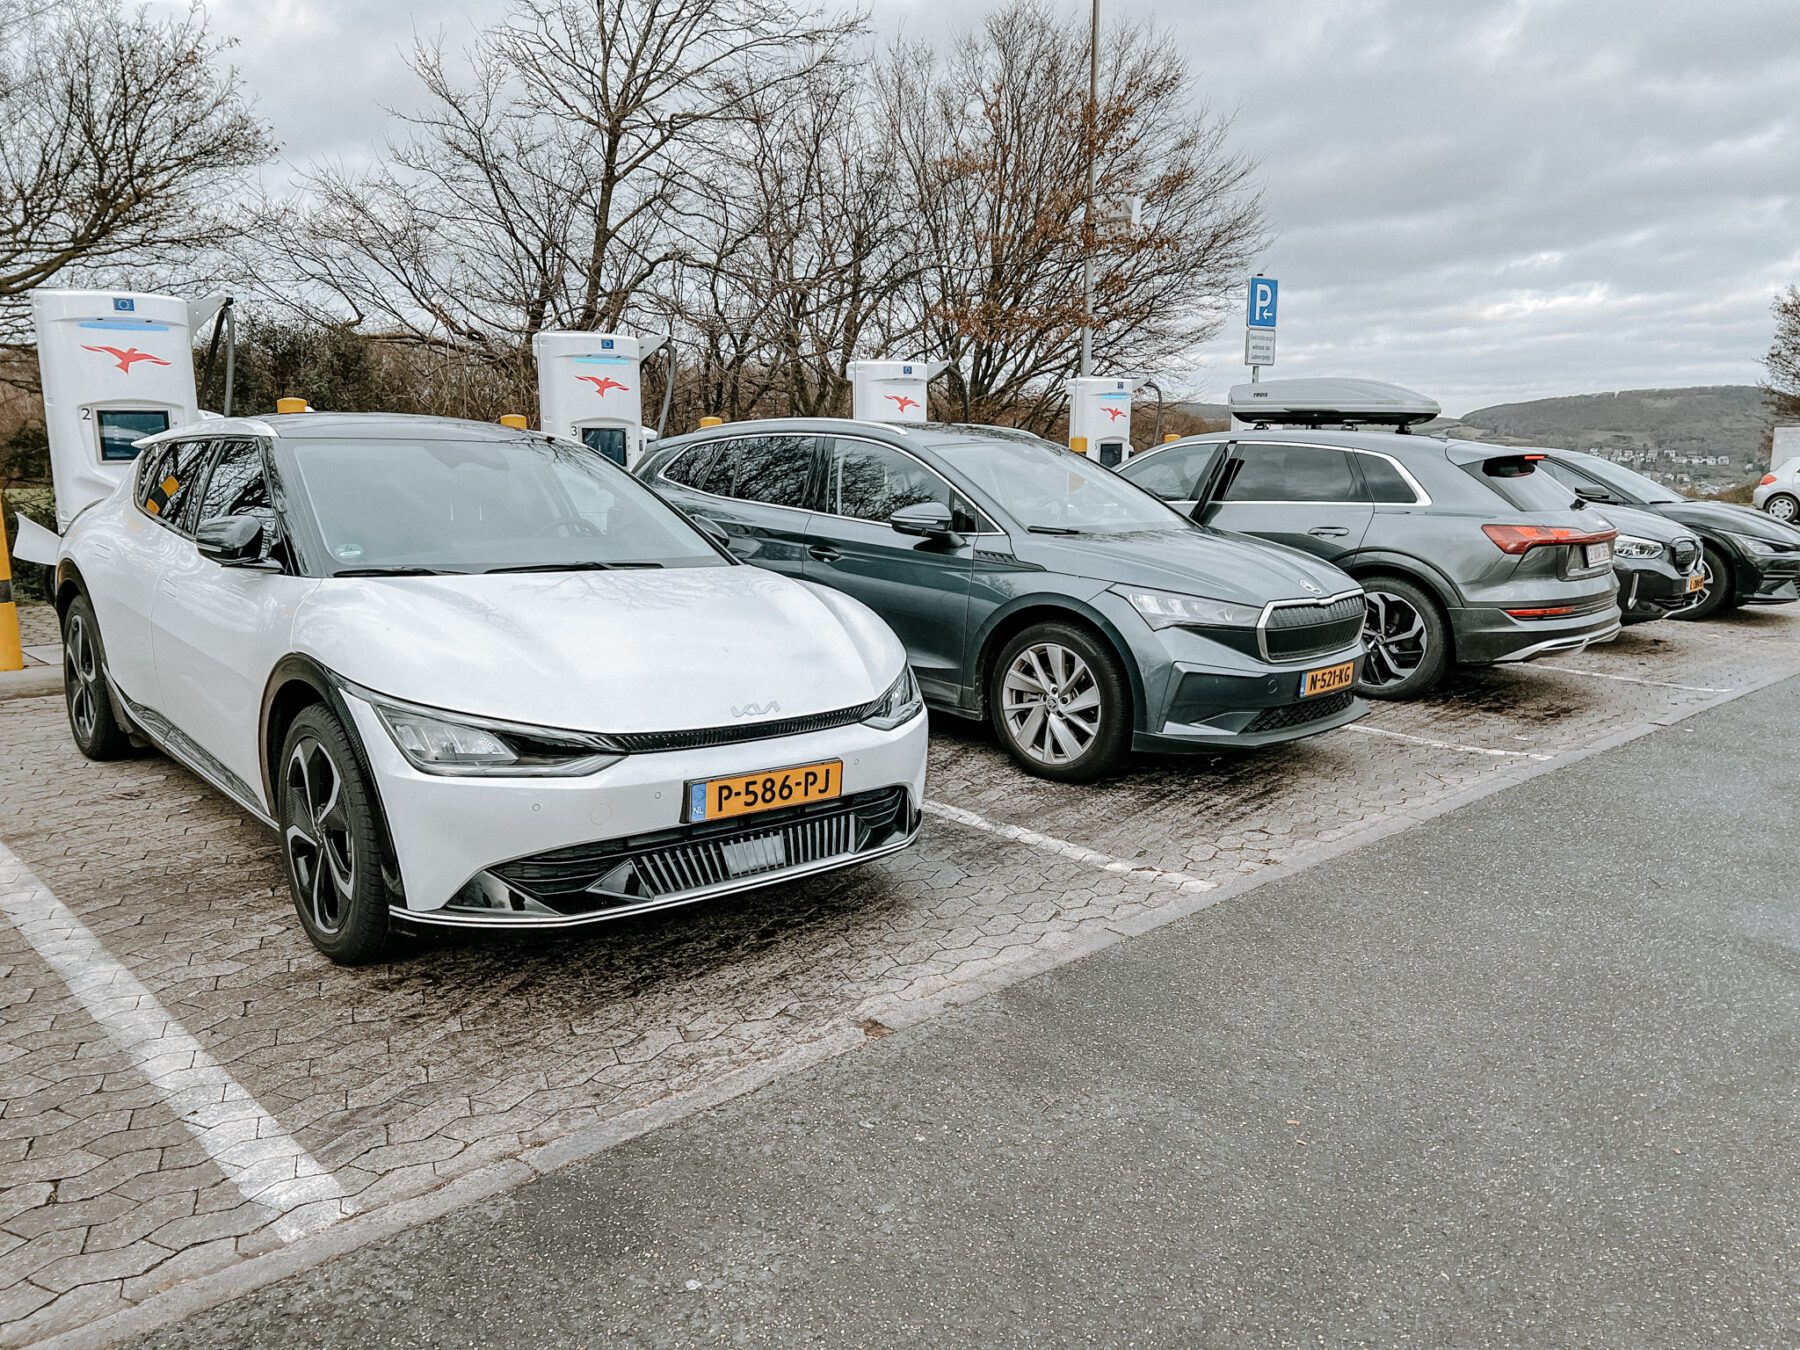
{"x": 1328, "y": 403}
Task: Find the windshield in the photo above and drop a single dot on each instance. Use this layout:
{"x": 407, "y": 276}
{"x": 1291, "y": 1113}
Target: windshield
{"x": 424, "y": 506}
{"x": 1050, "y": 490}
{"x": 1628, "y": 483}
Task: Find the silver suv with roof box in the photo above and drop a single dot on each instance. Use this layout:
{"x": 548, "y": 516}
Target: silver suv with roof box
{"x": 1467, "y": 553}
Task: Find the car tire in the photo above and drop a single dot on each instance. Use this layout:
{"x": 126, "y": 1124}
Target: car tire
{"x": 93, "y": 720}
{"x": 1408, "y": 638}
{"x": 331, "y": 842}
{"x": 1059, "y": 701}
{"x": 1720, "y": 595}
{"x": 1784, "y": 508}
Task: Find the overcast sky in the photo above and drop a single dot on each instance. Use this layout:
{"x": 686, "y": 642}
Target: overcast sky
{"x": 1485, "y": 201}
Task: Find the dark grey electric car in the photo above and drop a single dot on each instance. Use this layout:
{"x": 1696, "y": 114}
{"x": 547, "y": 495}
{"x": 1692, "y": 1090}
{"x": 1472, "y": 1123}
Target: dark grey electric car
{"x": 1468, "y": 552}
{"x": 1748, "y": 558}
{"x": 1080, "y": 615}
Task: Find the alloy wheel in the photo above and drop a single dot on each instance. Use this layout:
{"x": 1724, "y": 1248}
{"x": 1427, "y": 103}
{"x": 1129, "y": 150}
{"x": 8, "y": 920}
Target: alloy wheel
{"x": 321, "y": 847}
{"x": 1051, "y": 703}
{"x": 81, "y": 676}
{"x": 1397, "y": 638}
{"x": 1784, "y": 508}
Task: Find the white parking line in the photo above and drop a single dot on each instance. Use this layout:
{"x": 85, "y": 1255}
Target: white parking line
{"x": 261, "y": 1159}
{"x": 1063, "y": 848}
{"x": 1634, "y": 679}
{"x": 1447, "y": 745}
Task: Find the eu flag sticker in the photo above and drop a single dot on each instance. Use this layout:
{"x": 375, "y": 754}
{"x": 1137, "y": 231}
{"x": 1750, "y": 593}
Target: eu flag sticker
{"x": 696, "y": 801}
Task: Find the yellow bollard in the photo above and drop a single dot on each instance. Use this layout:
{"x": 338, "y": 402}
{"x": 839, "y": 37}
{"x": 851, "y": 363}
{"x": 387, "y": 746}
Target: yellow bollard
{"x": 290, "y": 405}
{"x": 1078, "y": 444}
{"x": 706, "y": 422}
{"x": 514, "y": 420}
{"x": 12, "y": 654}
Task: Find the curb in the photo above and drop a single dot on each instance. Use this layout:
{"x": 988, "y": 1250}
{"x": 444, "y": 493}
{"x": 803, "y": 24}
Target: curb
{"x": 31, "y": 682}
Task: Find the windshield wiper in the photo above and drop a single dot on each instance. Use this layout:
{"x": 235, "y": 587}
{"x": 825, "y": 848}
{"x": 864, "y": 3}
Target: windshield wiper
{"x": 1052, "y": 529}
{"x": 586, "y": 565}
{"x": 394, "y": 570}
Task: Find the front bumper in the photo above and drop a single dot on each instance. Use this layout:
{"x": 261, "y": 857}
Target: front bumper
{"x": 1771, "y": 580}
{"x": 462, "y": 842}
{"x": 1652, "y": 588}
{"x": 1487, "y": 636}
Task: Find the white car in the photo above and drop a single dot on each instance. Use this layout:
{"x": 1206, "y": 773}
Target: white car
{"x": 478, "y": 676}
{"x": 1779, "y": 492}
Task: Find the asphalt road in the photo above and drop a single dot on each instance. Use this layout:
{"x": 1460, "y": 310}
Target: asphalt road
{"x": 1528, "y": 1074}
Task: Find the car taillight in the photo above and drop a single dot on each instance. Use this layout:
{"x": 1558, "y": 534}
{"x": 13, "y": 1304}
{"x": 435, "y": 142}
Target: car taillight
{"x": 1517, "y": 539}
{"x": 1766, "y": 479}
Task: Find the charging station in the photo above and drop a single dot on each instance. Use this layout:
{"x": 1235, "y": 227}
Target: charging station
{"x": 891, "y": 391}
{"x": 590, "y": 389}
{"x": 1100, "y": 416}
{"x": 115, "y": 366}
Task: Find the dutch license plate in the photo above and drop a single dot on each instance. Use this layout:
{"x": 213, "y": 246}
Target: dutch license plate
{"x": 1328, "y": 679}
{"x": 1697, "y": 582}
{"x": 746, "y": 793}
{"x": 1598, "y": 555}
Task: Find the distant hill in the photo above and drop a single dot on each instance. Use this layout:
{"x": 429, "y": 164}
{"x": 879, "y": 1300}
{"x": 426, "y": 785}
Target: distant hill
{"x": 1667, "y": 432}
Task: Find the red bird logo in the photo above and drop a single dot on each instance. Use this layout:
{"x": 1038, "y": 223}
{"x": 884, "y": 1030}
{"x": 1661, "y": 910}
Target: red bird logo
{"x": 902, "y": 402}
{"x": 602, "y": 384}
{"x": 1114, "y": 413}
{"x": 127, "y": 357}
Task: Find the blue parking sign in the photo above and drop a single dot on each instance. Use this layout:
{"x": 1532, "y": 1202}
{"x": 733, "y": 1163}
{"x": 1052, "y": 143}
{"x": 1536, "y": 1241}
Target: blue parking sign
{"x": 1261, "y": 312}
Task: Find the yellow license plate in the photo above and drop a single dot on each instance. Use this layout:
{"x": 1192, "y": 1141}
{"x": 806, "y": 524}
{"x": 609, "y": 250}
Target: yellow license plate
{"x": 746, "y": 793}
{"x": 1697, "y": 582}
{"x": 1328, "y": 679}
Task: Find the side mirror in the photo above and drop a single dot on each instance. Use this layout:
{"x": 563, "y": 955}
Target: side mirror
{"x": 928, "y": 520}
{"x": 231, "y": 541}
{"x": 712, "y": 530}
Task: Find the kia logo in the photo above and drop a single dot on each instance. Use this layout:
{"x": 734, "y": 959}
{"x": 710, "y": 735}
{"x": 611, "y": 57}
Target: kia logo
{"x": 756, "y": 710}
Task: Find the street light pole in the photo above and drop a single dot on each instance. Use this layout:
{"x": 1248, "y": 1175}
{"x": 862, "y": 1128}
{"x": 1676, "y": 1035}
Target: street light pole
{"x": 1092, "y": 122}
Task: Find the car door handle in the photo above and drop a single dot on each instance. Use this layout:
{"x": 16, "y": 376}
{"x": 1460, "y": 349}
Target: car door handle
{"x": 1329, "y": 531}
{"x": 824, "y": 553}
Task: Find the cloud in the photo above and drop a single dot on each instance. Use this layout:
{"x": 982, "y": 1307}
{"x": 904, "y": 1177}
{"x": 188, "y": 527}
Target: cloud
{"x": 1487, "y": 202}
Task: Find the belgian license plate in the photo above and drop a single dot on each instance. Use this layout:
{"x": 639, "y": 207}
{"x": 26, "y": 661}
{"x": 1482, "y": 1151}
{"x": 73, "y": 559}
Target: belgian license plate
{"x": 1598, "y": 555}
{"x": 1697, "y": 582}
{"x": 1328, "y": 679}
{"x": 747, "y": 793}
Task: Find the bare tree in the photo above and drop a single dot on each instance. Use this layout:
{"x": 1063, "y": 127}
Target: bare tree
{"x": 1783, "y": 359}
{"x": 994, "y": 153}
{"x": 545, "y": 181}
{"x": 121, "y": 137}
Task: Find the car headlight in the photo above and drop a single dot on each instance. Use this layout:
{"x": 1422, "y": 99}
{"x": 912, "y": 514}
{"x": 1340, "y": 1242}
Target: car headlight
{"x": 1632, "y": 546}
{"x": 447, "y": 743}
{"x": 1169, "y": 609}
{"x": 899, "y": 705}
{"x": 1759, "y": 547}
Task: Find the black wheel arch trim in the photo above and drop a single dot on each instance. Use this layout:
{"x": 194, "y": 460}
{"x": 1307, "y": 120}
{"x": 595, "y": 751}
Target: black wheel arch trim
{"x": 1416, "y": 570}
{"x": 1049, "y": 609}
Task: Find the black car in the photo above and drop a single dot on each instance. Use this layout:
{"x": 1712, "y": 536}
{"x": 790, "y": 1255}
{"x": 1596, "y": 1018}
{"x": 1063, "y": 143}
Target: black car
{"x": 1748, "y": 557}
{"x": 1658, "y": 563}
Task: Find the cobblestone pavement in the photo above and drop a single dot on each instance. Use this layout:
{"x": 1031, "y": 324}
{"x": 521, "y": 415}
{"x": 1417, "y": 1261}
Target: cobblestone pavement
{"x": 185, "y": 1085}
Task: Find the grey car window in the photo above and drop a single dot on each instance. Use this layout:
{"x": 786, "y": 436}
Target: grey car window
{"x": 689, "y": 468}
{"x": 774, "y": 470}
{"x": 238, "y": 487}
{"x": 1383, "y": 481}
{"x": 871, "y": 482}
{"x": 1174, "y": 474}
{"x": 1292, "y": 473}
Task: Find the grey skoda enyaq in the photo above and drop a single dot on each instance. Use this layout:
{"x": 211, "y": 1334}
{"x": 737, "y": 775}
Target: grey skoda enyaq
{"x": 1468, "y": 553}
{"x": 1033, "y": 587}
